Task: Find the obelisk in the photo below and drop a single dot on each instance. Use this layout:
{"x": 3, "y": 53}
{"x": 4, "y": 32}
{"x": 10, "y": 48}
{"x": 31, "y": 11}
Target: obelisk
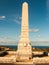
{"x": 24, "y": 46}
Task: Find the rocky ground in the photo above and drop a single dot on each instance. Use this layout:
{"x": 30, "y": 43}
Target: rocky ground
{"x": 11, "y": 58}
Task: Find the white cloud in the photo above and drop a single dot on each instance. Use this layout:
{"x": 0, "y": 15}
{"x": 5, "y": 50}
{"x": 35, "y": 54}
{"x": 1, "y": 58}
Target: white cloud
{"x": 37, "y": 39}
{"x": 11, "y": 41}
{"x": 19, "y": 36}
{"x": 33, "y": 30}
{"x": 18, "y": 22}
{"x": 2, "y": 17}
{"x": 7, "y": 40}
{"x": 20, "y": 18}
{"x": 38, "y": 35}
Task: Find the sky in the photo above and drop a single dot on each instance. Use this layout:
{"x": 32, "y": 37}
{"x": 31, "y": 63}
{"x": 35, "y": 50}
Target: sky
{"x": 10, "y": 21}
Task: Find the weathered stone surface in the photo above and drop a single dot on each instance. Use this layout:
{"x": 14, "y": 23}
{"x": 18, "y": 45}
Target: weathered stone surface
{"x": 24, "y": 46}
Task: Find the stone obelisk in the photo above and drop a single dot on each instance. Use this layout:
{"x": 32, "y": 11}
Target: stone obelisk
{"x": 24, "y": 46}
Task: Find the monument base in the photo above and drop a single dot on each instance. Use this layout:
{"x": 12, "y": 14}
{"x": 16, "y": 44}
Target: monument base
{"x": 24, "y": 51}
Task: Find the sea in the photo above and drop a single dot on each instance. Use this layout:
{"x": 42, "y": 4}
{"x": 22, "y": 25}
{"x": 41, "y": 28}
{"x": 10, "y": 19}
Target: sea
{"x": 15, "y": 46}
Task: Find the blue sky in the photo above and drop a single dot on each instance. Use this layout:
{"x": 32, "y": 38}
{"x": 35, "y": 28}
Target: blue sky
{"x": 10, "y": 20}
